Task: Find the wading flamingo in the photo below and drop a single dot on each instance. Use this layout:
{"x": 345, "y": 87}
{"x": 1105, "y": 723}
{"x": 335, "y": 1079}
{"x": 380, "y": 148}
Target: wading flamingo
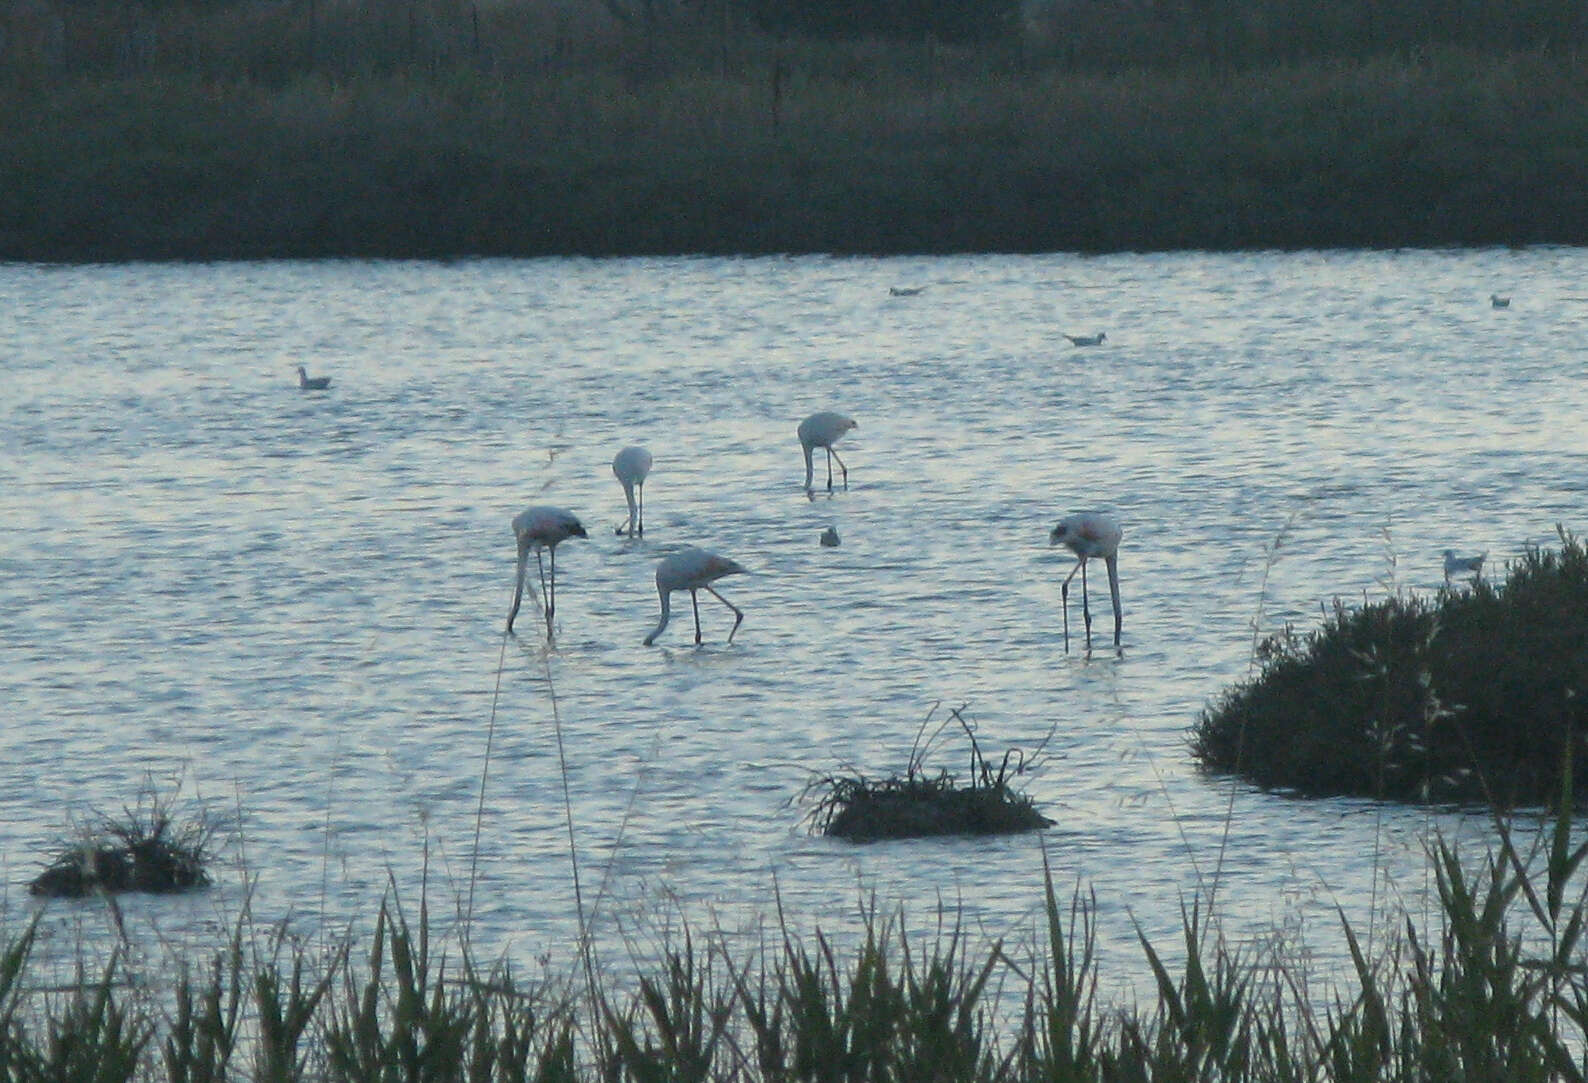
{"x": 1089, "y": 534}
{"x": 312, "y": 383}
{"x": 630, "y": 466}
{"x": 693, "y": 570}
{"x": 822, "y": 430}
{"x": 541, "y": 527}
{"x": 1455, "y": 565}
{"x": 1088, "y": 340}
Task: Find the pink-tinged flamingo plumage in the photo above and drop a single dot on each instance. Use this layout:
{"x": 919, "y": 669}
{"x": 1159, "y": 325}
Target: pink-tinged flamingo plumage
{"x": 541, "y": 527}
{"x": 630, "y": 466}
{"x": 822, "y": 430}
{"x": 693, "y": 570}
{"x": 1089, "y": 534}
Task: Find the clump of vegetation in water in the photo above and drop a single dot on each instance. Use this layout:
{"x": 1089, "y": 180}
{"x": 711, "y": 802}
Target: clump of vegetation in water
{"x": 1470, "y": 696}
{"x": 144, "y": 849}
{"x": 919, "y": 804}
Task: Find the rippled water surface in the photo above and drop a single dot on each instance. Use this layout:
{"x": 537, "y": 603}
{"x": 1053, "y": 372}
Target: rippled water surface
{"x": 291, "y": 605}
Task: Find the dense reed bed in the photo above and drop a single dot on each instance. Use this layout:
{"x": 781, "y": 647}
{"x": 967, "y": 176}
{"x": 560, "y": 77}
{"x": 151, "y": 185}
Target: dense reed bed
{"x": 1490, "y": 986}
{"x": 437, "y": 129}
{"x": 1471, "y": 696}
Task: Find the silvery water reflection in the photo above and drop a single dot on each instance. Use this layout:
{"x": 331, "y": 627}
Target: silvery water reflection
{"x": 295, "y": 602}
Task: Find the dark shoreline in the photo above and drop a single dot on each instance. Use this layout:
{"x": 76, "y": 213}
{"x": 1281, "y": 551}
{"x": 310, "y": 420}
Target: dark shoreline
{"x": 1453, "y": 150}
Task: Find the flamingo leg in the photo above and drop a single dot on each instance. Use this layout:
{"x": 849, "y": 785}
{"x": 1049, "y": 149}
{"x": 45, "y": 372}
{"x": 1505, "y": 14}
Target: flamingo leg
{"x": 833, "y": 454}
{"x": 1086, "y": 611}
{"x": 694, "y": 599}
{"x": 642, "y": 509}
{"x": 738, "y": 614}
{"x": 1064, "y": 592}
{"x": 829, "y": 451}
{"x": 546, "y": 593}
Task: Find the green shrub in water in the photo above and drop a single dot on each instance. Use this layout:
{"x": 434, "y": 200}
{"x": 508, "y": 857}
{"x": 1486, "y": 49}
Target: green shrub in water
{"x": 1471, "y": 696}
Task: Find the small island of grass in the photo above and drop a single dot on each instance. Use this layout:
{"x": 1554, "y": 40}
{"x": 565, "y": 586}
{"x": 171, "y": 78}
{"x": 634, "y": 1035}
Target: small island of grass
{"x": 1473, "y": 696}
{"x": 918, "y": 804}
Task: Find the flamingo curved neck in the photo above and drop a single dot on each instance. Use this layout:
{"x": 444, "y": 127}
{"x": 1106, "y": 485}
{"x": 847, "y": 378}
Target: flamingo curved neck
{"x": 667, "y": 612}
{"x": 1113, "y": 590}
{"x": 518, "y": 587}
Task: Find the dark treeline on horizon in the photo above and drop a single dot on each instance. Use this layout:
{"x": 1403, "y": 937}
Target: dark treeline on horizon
{"x": 180, "y": 129}
{"x": 279, "y": 38}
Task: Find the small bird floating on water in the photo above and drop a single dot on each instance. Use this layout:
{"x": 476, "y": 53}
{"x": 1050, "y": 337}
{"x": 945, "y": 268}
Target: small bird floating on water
{"x": 822, "y": 430}
{"x": 1455, "y": 565}
{"x": 312, "y": 383}
{"x": 693, "y": 570}
{"x": 905, "y": 291}
{"x": 1089, "y": 534}
{"x": 830, "y": 538}
{"x": 1499, "y": 302}
{"x": 1088, "y": 340}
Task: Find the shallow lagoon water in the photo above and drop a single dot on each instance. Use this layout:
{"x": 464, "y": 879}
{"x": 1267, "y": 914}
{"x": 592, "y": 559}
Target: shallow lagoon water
{"x": 290, "y": 606}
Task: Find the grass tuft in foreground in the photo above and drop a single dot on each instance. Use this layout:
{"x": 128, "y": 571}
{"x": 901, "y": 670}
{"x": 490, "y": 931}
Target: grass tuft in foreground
{"x": 919, "y": 804}
{"x": 1469, "y": 697}
{"x": 1489, "y": 986}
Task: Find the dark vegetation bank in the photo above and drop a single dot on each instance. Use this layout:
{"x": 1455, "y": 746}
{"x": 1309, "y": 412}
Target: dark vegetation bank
{"x": 258, "y": 128}
{"x": 1476, "y": 696}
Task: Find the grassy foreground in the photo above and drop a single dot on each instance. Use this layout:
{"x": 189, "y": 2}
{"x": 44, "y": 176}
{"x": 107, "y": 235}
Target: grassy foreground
{"x": 1495, "y": 991}
{"x": 1474, "y": 696}
{"x": 438, "y": 129}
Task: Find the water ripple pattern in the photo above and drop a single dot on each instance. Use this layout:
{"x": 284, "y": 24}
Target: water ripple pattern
{"x": 294, "y": 602}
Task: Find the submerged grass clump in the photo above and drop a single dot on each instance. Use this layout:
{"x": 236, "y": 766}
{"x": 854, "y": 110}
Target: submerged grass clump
{"x": 919, "y": 804}
{"x": 144, "y": 849}
{"x": 1471, "y": 696}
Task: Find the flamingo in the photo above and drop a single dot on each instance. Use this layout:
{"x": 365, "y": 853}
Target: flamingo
{"x": 693, "y": 570}
{"x": 630, "y": 466}
{"x": 822, "y": 430}
{"x": 312, "y": 383}
{"x": 541, "y": 527}
{"x": 1089, "y": 534}
{"x": 1455, "y": 564}
{"x": 1088, "y": 340}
